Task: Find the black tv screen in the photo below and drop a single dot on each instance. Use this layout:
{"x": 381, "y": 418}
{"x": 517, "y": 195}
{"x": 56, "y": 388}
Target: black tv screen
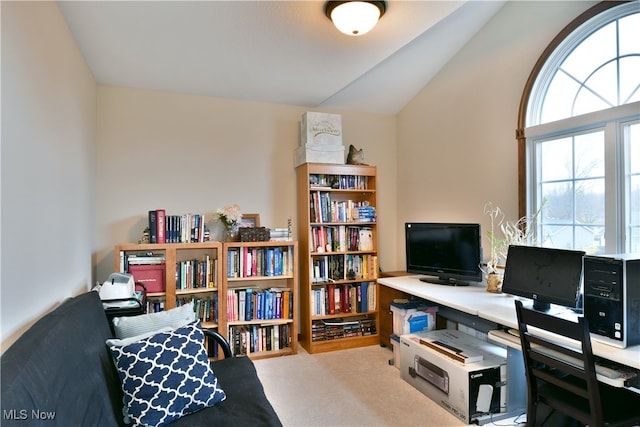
{"x": 447, "y": 253}
{"x": 545, "y": 275}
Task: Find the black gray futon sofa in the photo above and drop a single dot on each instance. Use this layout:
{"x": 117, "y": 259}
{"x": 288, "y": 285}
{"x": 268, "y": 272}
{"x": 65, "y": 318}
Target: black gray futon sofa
{"x": 61, "y": 373}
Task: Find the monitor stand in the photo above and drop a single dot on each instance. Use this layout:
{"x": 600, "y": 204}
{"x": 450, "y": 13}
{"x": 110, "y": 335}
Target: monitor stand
{"x": 445, "y": 282}
{"x": 541, "y": 306}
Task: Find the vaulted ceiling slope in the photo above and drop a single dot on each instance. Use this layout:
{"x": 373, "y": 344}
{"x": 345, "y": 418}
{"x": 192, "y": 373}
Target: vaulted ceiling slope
{"x": 284, "y": 52}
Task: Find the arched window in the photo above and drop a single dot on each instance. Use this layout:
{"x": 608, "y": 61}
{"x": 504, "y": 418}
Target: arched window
{"x": 579, "y": 134}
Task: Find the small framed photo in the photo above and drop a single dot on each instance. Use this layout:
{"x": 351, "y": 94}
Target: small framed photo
{"x": 250, "y": 220}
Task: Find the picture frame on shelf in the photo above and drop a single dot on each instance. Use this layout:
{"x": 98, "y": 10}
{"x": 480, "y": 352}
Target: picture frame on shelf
{"x": 251, "y": 220}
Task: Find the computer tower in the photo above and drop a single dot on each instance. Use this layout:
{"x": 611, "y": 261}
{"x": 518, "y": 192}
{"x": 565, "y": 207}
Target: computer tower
{"x": 612, "y": 298}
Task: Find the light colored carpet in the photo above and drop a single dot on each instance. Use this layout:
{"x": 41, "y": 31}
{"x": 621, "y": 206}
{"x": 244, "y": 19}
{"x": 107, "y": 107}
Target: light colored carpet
{"x": 355, "y": 387}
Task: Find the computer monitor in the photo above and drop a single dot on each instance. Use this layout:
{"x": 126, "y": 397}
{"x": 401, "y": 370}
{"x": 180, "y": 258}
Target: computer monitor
{"x": 545, "y": 275}
{"x": 446, "y": 253}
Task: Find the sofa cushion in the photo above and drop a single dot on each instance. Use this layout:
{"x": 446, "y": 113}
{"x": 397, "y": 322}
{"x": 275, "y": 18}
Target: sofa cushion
{"x": 166, "y": 376}
{"x": 246, "y": 403}
{"x": 130, "y": 326}
{"x": 61, "y": 367}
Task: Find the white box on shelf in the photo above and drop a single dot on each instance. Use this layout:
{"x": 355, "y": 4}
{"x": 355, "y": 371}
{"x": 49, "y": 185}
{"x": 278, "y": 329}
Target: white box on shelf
{"x": 318, "y": 130}
{"x": 467, "y": 390}
{"x": 311, "y": 155}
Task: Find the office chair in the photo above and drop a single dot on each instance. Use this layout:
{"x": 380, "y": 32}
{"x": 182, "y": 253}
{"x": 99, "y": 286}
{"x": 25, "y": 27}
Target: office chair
{"x": 564, "y": 378}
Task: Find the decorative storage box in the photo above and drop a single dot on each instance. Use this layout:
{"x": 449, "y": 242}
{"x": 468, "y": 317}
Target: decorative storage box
{"x": 467, "y": 390}
{"x": 409, "y": 317}
{"x": 150, "y": 275}
{"x": 320, "y": 139}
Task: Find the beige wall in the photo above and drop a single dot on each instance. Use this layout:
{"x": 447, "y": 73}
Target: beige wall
{"x": 186, "y": 153}
{"x": 456, "y": 139}
{"x": 454, "y": 145}
{"x": 48, "y": 162}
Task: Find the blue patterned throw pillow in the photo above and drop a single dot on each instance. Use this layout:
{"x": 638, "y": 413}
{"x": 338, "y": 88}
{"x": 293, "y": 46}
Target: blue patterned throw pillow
{"x": 166, "y": 376}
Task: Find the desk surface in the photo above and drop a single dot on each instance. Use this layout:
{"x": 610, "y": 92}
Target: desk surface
{"x": 497, "y": 308}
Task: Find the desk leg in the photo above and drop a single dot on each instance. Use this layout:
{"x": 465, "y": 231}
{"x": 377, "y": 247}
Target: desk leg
{"x": 516, "y": 390}
{"x": 516, "y": 382}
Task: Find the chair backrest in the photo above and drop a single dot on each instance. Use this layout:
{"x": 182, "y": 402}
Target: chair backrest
{"x": 570, "y": 369}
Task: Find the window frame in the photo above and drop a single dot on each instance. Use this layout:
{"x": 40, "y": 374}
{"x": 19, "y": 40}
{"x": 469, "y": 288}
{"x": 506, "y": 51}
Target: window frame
{"x": 525, "y": 100}
{"x": 611, "y": 120}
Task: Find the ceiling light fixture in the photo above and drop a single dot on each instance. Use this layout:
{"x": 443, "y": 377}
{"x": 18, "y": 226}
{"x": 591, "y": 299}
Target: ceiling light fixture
{"x": 355, "y": 18}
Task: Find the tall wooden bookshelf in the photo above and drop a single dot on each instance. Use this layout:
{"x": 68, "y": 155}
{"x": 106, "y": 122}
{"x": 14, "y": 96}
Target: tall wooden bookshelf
{"x": 339, "y": 256}
{"x": 260, "y": 281}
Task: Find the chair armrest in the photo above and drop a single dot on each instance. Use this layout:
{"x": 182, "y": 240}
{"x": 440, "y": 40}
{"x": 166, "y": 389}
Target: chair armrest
{"x": 222, "y": 342}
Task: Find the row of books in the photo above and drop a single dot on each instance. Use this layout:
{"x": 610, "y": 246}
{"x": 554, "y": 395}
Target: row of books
{"x": 140, "y": 258}
{"x": 323, "y": 209}
{"x": 347, "y": 298}
{"x": 185, "y": 228}
{"x": 328, "y": 268}
{"x": 197, "y": 273}
{"x": 205, "y": 309}
{"x": 259, "y": 304}
{"x": 341, "y": 182}
{"x": 154, "y": 305}
{"x": 247, "y": 339}
{"x": 259, "y": 261}
{"x": 325, "y": 330}
{"x": 341, "y": 238}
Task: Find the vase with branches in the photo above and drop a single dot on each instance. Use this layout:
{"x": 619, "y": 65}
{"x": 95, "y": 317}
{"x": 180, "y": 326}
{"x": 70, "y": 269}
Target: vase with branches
{"x": 520, "y": 232}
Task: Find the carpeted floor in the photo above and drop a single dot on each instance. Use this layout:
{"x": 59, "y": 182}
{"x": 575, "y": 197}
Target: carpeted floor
{"x": 355, "y": 387}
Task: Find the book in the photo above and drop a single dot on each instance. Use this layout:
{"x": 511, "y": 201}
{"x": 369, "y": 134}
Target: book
{"x": 161, "y": 225}
{"x": 153, "y": 227}
{"x": 365, "y": 241}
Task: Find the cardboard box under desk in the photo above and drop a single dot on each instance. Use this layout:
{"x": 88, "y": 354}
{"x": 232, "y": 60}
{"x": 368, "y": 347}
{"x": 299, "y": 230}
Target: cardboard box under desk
{"x": 150, "y": 275}
{"x": 467, "y": 390}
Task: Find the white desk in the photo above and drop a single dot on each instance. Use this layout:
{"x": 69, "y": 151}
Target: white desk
{"x": 497, "y": 308}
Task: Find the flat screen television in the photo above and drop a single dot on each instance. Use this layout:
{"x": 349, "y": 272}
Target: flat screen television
{"x": 545, "y": 275}
{"x": 446, "y": 253}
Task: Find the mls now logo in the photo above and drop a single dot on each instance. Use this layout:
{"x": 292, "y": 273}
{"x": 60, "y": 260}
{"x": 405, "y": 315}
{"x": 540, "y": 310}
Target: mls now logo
{"x": 23, "y": 414}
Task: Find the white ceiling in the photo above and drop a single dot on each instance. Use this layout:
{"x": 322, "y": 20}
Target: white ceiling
{"x": 284, "y": 52}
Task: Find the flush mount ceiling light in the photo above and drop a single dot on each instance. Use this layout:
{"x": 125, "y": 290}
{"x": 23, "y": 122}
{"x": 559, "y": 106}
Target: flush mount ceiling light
{"x": 355, "y": 18}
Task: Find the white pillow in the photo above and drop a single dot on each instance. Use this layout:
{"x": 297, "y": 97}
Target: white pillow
{"x": 131, "y": 326}
{"x": 126, "y": 341}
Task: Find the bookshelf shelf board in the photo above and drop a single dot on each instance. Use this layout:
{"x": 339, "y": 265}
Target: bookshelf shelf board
{"x": 261, "y": 278}
{"x": 274, "y": 353}
{"x": 342, "y": 343}
{"x": 260, "y": 322}
{"x": 209, "y": 325}
{"x": 342, "y": 315}
{"x": 195, "y": 291}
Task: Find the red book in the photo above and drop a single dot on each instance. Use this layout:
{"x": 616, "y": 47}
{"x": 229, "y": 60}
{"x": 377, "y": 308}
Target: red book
{"x": 161, "y": 222}
{"x": 331, "y": 296}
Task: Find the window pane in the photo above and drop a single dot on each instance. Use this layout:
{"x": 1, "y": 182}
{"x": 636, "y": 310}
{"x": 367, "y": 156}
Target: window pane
{"x": 629, "y": 28}
{"x": 590, "y": 202}
{"x": 558, "y": 203}
{"x": 590, "y": 240}
{"x": 595, "y": 50}
{"x": 558, "y": 101}
{"x": 629, "y": 81}
{"x": 557, "y": 236}
{"x": 589, "y": 153}
{"x": 556, "y": 159}
{"x": 603, "y": 85}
